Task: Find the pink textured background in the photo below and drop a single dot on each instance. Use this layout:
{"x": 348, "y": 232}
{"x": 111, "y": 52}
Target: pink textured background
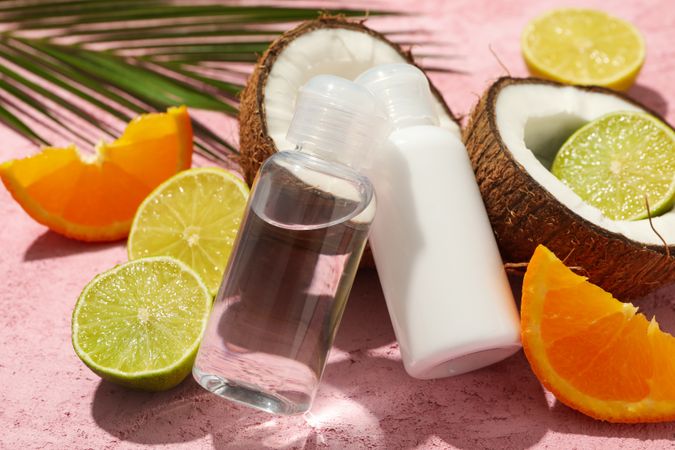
{"x": 49, "y": 399}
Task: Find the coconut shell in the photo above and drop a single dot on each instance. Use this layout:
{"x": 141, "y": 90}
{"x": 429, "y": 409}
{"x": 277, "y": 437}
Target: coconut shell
{"x": 254, "y": 142}
{"x": 524, "y": 214}
{"x": 255, "y": 145}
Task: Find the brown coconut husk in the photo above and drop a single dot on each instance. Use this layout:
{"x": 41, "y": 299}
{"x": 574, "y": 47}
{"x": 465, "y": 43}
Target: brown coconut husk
{"x": 523, "y": 214}
{"x": 254, "y": 142}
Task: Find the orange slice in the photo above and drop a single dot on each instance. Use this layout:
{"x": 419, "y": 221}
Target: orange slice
{"x": 592, "y": 351}
{"x": 94, "y": 198}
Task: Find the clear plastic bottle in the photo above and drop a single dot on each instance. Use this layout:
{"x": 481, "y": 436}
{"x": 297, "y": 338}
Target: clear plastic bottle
{"x": 296, "y": 254}
{"x": 446, "y": 290}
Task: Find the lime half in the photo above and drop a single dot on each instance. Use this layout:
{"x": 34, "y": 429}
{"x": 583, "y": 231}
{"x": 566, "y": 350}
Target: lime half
{"x": 140, "y": 323}
{"x": 583, "y": 46}
{"x": 194, "y": 217}
{"x": 615, "y": 161}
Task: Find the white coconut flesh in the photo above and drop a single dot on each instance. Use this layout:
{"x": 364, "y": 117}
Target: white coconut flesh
{"x": 535, "y": 120}
{"x": 336, "y": 51}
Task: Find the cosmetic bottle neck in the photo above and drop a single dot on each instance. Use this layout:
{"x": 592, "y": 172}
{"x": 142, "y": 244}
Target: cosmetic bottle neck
{"x": 338, "y": 120}
{"x": 403, "y": 90}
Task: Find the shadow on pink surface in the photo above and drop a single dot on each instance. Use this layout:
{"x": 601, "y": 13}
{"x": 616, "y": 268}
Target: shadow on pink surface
{"x": 650, "y": 98}
{"x": 188, "y": 413}
{"x": 367, "y": 399}
{"x": 52, "y": 245}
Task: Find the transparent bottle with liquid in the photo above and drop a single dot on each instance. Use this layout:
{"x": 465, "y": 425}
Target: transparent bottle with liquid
{"x": 296, "y": 254}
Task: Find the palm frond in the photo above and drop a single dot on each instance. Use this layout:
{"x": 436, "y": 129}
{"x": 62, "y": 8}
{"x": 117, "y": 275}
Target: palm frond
{"x": 17, "y": 124}
{"x": 79, "y": 69}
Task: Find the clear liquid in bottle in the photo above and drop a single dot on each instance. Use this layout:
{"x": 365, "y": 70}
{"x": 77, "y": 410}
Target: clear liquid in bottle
{"x": 285, "y": 289}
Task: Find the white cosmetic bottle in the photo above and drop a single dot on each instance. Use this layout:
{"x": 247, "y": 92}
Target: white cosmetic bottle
{"x": 443, "y": 279}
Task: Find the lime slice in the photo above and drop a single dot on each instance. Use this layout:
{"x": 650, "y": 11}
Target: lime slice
{"x": 140, "y": 323}
{"x": 583, "y": 46}
{"x": 194, "y": 217}
{"x": 615, "y": 161}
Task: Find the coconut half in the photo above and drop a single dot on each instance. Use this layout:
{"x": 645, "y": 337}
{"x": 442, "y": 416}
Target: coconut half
{"x": 512, "y": 138}
{"x": 329, "y": 45}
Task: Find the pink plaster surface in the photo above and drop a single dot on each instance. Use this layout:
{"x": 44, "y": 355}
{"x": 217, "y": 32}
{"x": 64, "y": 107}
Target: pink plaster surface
{"x": 49, "y": 399}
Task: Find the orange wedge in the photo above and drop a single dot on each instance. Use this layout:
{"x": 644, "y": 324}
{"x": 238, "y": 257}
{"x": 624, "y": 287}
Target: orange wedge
{"x": 94, "y": 198}
{"x": 596, "y": 354}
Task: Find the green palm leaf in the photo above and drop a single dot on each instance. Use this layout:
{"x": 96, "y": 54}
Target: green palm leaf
{"x": 80, "y": 69}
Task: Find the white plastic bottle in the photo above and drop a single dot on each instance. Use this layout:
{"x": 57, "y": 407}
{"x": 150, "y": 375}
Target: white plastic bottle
{"x": 443, "y": 279}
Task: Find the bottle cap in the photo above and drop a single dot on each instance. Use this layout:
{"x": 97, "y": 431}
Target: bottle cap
{"x": 338, "y": 120}
{"x": 404, "y": 91}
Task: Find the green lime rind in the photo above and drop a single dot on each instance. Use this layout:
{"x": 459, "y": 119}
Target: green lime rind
{"x": 194, "y": 217}
{"x": 662, "y": 207}
{"x": 613, "y": 162}
{"x": 140, "y": 323}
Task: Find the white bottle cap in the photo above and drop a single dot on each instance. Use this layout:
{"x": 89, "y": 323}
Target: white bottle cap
{"x": 338, "y": 120}
{"x": 404, "y": 91}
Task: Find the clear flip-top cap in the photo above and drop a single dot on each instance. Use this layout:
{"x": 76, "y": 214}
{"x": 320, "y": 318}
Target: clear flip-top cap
{"x": 404, "y": 91}
{"x": 339, "y": 120}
